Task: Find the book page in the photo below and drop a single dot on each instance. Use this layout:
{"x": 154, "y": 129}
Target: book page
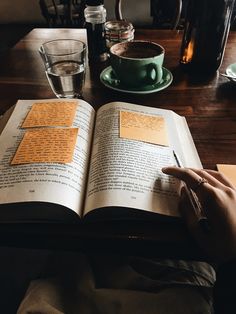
{"x": 127, "y": 172}
{"x": 62, "y": 184}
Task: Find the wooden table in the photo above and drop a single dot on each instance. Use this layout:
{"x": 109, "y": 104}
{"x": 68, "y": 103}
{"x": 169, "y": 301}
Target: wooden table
{"x": 209, "y": 104}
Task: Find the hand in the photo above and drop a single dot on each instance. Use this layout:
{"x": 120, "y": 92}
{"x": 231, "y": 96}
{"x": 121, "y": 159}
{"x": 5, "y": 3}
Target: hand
{"x": 217, "y": 197}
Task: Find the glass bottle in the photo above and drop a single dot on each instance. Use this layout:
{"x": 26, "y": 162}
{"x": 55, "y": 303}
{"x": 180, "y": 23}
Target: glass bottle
{"x": 205, "y": 35}
{"x": 95, "y": 18}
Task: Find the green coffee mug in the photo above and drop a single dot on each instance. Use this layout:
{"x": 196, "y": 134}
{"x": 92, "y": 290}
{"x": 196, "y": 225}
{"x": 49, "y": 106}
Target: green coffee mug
{"x": 137, "y": 63}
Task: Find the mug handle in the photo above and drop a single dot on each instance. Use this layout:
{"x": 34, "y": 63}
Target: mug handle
{"x": 157, "y": 69}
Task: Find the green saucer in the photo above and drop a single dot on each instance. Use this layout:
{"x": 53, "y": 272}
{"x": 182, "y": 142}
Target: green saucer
{"x": 231, "y": 70}
{"x": 109, "y": 79}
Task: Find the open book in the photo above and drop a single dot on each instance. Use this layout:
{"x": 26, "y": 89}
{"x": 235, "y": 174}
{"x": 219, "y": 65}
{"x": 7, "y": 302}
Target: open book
{"x": 110, "y": 177}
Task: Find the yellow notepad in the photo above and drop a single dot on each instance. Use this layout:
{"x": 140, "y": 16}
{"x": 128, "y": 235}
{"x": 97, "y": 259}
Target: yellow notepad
{"x": 46, "y": 145}
{"x": 229, "y": 171}
{"x": 142, "y": 127}
{"x": 57, "y": 113}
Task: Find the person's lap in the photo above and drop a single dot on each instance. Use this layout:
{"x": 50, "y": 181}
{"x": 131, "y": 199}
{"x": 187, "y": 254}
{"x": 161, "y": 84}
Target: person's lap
{"x": 119, "y": 284}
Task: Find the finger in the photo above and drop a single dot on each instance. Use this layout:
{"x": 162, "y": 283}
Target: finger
{"x": 210, "y": 178}
{"x": 189, "y": 176}
{"x": 202, "y": 189}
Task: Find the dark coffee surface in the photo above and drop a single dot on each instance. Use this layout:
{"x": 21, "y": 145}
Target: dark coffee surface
{"x": 137, "y": 50}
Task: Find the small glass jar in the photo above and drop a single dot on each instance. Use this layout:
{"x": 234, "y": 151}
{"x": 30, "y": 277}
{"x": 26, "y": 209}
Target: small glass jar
{"x": 118, "y": 31}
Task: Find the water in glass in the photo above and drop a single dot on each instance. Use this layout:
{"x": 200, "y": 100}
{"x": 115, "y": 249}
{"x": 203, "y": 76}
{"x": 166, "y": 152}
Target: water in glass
{"x": 66, "y": 78}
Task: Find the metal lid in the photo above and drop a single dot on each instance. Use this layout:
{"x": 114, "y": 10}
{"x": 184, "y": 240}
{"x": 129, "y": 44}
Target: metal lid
{"x": 115, "y": 25}
{"x": 94, "y": 2}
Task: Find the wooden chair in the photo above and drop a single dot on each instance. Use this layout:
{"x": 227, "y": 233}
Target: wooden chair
{"x": 165, "y": 13}
{"x": 65, "y": 13}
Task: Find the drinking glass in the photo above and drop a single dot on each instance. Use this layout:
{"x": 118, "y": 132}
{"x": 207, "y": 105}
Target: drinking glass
{"x": 64, "y": 61}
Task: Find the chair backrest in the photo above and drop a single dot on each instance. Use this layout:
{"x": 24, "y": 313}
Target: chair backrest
{"x": 66, "y": 13}
{"x": 165, "y": 13}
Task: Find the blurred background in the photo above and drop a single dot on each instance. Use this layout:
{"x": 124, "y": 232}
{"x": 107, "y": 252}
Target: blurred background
{"x": 18, "y": 17}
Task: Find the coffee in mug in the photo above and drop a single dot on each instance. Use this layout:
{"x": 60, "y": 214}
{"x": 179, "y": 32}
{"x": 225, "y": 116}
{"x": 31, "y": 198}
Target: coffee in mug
{"x": 137, "y": 63}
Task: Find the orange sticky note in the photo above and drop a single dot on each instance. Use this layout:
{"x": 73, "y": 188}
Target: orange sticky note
{"x": 46, "y": 145}
{"x": 229, "y": 171}
{"x": 141, "y": 127}
{"x": 58, "y": 113}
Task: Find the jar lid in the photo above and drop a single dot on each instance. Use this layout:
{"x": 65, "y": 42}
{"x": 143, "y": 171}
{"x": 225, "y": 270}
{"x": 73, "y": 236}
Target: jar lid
{"x": 94, "y": 2}
{"x": 116, "y": 25}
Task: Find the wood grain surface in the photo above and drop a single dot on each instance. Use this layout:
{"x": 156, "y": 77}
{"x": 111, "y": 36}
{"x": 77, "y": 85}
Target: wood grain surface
{"x": 208, "y": 103}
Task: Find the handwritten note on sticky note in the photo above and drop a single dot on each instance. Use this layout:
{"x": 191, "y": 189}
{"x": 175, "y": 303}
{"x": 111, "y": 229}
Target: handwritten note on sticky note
{"x": 229, "y": 171}
{"x": 46, "y": 145}
{"x": 141, "y": 127}
{"x": 58, "y": 113}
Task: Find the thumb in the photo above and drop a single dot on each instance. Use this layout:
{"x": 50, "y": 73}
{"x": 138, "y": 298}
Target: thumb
{"x": 190, "y": 217}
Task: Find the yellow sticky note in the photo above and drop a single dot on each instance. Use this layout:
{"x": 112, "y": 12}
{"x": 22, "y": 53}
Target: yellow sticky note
{"x": 229, "y": 171}
{"x": 46, "y": 145}
{"x": 141, "y": 127}
{"x": 58, "y": 113}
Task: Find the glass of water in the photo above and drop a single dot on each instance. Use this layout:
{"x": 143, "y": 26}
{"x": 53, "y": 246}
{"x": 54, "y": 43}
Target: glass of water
{"x": 64, "y": 61}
